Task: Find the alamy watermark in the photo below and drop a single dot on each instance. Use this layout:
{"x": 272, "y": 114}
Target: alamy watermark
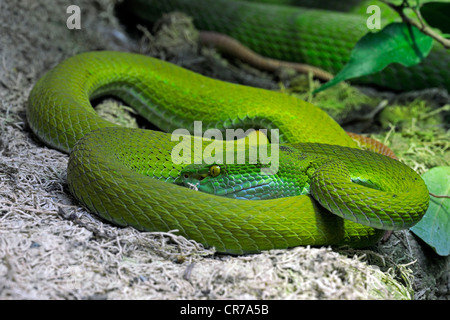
{"x": 374, "y": 21}
{"x": 74, "y": 20}
{"x": 236, "y": 141}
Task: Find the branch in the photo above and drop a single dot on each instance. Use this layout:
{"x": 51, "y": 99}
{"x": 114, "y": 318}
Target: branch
{"x": 438, "y": 196}
{"x": 419, "y": 25}
{"x": 232, "y": 47}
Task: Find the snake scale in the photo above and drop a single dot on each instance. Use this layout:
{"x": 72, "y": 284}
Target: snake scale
{"x": 126, "y": 175}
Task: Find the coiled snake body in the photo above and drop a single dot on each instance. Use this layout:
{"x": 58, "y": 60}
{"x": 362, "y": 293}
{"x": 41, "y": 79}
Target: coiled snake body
{"x": 124, "y": 175}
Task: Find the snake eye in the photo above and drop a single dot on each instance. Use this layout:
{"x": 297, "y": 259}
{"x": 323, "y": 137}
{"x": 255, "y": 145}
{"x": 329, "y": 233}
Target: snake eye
{"x": 214, "y": 170}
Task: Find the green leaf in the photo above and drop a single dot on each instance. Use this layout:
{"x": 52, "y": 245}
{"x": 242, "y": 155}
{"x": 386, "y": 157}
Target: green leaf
{"x": 434, "y": 228}
{"x": 436, "y": 14}
{"x": 397, "y": 42}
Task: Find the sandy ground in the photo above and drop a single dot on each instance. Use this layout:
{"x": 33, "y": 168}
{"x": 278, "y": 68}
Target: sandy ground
{"x": 51, "y": 248}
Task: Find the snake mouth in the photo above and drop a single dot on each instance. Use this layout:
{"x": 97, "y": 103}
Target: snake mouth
{"x": 259, "y": 191}
{"x": 194, "y": 176}
{"x": 245, "y": 191}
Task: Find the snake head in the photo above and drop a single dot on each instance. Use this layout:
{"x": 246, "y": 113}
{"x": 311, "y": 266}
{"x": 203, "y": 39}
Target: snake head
{"x": 237, "y": 181}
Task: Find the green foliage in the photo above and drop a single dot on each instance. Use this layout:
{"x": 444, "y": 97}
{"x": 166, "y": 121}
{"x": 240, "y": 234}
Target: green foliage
{"x": 434, "y": 228}
{"x": 436, "y": 14}
{"x": 396, "y": 43}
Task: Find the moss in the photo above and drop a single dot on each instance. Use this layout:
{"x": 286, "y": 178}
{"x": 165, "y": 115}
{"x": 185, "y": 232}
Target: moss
{"x": 340, "y": 101}
{"x": 417, "y": 132}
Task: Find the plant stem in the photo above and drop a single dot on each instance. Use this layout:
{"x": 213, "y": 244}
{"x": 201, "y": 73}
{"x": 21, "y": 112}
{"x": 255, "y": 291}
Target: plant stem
{"x": 419, "y": 25}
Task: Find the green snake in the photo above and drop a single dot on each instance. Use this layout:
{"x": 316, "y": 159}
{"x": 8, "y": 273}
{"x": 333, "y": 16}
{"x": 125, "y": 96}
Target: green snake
{"x": 323, "y": 39}
{"x": 127, "y": 176}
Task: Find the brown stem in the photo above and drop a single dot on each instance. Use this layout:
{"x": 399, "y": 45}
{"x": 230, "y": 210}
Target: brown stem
{"x": 236, "y": 49}
{"x": 438, "y": 196}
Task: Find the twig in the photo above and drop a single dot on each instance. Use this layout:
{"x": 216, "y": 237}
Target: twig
{"x": 419, "y": 25}
{"x": 439, "y": 196}
{"x": 419, "y": 16}
{"x": 232, "y": 47}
